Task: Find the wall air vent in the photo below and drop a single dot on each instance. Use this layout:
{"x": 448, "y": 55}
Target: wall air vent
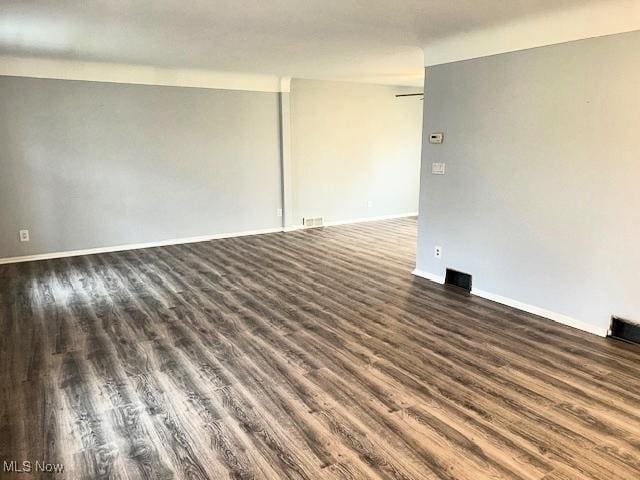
{"x": 458, "y": 279}
{"x": 625, "y": 330}
{"x": 310, "y": 222}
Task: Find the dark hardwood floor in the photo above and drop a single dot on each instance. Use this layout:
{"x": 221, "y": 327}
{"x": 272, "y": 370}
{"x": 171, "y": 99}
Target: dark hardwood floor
{"x": 310, "y": 354}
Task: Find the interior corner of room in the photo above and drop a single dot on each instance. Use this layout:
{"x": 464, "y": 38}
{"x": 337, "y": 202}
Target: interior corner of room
{"x": 539, "y": 200}
{"x": 99, "y": 166}
{"x": 320, "y": 240}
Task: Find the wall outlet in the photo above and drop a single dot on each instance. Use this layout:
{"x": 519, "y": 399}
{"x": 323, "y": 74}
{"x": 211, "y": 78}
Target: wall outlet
{"x": 24, "y": 235}
{"x": 369, "y": 204}
{"x": 437, "y": 252}
{"x": 279, "y": 212}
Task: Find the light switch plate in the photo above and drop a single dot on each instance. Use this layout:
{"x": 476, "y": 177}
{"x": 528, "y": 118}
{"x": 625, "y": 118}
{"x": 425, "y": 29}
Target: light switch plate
{"x": 436, "y": 138}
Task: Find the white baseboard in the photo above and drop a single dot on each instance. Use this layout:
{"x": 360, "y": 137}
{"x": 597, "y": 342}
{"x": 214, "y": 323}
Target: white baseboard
{"x": 353, "y": 220}
{"x": 371, "y": 219}
{"x": 293, "y": 228}
{"x": 428, "y": 276}
{"x": 178, "y": 241}
{"x": 525, "y": 307}
{"x": 542, "y": 312}
{"x": 135, "y": 246}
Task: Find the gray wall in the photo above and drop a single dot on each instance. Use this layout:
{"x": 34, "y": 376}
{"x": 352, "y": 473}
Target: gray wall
{"x": 353, "y": 143}
{"x": 87, "y": 164}
{"x": 541, "y": 200}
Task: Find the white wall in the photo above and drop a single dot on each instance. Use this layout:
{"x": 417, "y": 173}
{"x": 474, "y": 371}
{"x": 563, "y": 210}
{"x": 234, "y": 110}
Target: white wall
{"x": 87, "y": 164}
{"x": 353, "y": 144}
{"x": 90, "y": 164}
{"x": 541, "y": 200}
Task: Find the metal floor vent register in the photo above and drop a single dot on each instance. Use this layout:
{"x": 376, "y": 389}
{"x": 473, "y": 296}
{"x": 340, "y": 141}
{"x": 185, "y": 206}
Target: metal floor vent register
{"x": 458, "y": 279}
{"x": 625, "y": 330}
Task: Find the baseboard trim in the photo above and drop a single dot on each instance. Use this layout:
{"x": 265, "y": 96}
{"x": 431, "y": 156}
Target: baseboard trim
{"x": 525, "y": 307}
{"x": 542, "y": 312}
{"x": 428, "y": 276}
{"x": 178, "y": 241}
{"x": 135, "y": 246}
{"x": 371, "y": 219}
{"x": 353, "y": 220}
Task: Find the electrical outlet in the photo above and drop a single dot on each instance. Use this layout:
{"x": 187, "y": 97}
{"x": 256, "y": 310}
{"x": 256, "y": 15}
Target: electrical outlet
{"x": 369, "y": 204}
{"x": 279, "y": 212}
{"x": 24, "y": 235}
{"x": 437, "y": 252}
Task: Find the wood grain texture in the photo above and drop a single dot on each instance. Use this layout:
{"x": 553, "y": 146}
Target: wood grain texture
{"x": 305, "y": 355}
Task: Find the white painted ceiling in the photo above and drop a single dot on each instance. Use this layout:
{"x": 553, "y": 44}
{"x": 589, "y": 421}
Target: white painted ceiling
{"x": 366, "y": 40}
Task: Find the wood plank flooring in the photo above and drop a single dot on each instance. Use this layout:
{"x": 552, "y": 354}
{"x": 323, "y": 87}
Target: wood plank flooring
{"x": 308, "y": 355}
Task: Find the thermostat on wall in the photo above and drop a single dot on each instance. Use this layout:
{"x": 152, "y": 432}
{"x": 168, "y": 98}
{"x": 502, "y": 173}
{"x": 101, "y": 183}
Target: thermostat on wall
{"x": 436, "y": 137}
{"x": 438, "y": 168}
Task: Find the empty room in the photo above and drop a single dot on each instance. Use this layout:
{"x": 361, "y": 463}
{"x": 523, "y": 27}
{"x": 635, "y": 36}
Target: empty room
{"x": 320, "y": 240}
